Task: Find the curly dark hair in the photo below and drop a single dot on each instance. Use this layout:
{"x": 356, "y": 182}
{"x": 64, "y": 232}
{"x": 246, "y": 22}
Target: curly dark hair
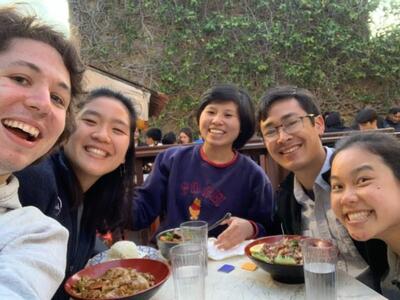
{"x": 14, "y": 25}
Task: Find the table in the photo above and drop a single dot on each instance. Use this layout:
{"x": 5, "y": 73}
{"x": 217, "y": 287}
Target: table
{"x": 245, "y": 285}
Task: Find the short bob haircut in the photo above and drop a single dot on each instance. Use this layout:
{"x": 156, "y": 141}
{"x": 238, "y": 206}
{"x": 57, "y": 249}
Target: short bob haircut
{"x": 14, "y": 25}
{"x": 305, "y": 98}
{"x": 227, "y": 93}
{"x": 381, "y": 144}
{"x": 113, "y": 190}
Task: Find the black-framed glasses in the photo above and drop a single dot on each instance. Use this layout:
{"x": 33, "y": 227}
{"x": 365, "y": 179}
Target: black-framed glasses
{"x": 290, "y": 125}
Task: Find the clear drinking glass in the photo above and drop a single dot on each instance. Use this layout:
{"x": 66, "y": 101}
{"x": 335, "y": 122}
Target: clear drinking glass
{"x": 320, "y": 258}
{"x": 196, "y": 232}
{"x": 188, "y": 271}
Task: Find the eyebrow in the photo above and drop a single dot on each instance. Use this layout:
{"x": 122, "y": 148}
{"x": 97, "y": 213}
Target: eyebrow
{"x": 284, "y": 117}
{"x": 356, "y": 171}
{"x": 95, "y": 113}
{"x": 36, "y": 69}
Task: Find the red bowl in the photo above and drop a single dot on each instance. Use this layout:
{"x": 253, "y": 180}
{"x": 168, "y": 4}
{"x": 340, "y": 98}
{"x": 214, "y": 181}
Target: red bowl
{"x": 281, "y": 273}
{"x": 158, "y": 269}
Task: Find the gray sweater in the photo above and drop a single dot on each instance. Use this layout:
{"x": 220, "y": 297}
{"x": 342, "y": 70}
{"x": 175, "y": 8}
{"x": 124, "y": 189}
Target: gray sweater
{"x": 32, "y": 249}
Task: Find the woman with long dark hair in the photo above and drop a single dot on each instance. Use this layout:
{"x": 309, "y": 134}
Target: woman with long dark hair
{"x": 87, "y": 183}
{"x": 365, "y": 197}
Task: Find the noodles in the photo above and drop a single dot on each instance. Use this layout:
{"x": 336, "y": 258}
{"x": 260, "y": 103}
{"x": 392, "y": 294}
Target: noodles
{"x": 115, "y": 282}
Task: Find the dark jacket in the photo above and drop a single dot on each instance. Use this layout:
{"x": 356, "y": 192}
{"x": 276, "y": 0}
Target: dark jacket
{"x": 390, "y": 123}
{"x": 49, "y": 185}
{"x": 288, "y": 217}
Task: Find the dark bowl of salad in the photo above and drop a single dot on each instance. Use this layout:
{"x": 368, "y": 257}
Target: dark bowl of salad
{"x": 280, "y": 256}
{"x": 167, "y": 239}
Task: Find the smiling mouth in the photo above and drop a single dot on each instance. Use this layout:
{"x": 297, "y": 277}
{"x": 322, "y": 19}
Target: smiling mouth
{"x": 96, "y": 151}
{"x": 358, "y": 216}
{"x": 22, "y": 129}
{"x": 290, "y": 150}
{"x": 216, "y": 131}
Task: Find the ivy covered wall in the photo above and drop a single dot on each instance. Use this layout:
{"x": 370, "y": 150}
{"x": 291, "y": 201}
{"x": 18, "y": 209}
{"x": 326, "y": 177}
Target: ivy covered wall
{"x": 181, "y": 47}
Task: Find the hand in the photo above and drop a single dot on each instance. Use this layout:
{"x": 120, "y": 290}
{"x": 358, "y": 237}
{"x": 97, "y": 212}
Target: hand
{"x": 238, "y": 230}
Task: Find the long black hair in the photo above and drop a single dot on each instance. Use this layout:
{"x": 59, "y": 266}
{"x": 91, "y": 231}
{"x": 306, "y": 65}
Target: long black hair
{"x": 107, "y": 200}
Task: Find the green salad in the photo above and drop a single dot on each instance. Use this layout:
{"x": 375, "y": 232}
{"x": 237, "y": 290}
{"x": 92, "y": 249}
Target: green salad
{"x": 286, "y": 251}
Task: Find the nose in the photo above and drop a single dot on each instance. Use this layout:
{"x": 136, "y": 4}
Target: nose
{"x": 101, "y": 134}
{"x": 349, "y": 196}
{"x": 283, "y": 136}
{"x": 217, "y": 119}
{"x": 39, "y": 102}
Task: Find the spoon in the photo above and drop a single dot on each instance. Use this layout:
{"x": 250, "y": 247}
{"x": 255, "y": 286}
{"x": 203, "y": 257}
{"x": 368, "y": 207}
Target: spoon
{"x": 216, "y": 224}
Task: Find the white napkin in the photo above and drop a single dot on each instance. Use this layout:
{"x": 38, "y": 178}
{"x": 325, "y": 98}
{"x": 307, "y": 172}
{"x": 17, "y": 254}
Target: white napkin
{"x": 218, "y": 254}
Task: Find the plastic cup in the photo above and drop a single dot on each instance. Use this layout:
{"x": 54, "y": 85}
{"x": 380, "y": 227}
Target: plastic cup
{"x": 320, "y": 258}
{"x": 196, "y": 232}
{"x": 188, "y": 271}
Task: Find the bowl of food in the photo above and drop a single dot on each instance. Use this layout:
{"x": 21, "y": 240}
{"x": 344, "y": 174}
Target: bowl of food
{"x": 127, "y": 279}
{"x": 167, "y": 239}
{"x": 280, "y": 256}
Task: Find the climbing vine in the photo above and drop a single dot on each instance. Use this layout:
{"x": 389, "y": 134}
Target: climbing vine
{"x": 182, "y": 47}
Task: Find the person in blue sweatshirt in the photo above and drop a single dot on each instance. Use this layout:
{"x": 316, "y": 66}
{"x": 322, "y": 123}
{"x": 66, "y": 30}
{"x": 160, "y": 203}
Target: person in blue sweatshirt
{"x": 205, "y": 181}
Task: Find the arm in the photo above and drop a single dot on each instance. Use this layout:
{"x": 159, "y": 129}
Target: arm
{"x": 33, "y": 254}
{"x": 148, "y": 201}
{"x": 258, "y": 215}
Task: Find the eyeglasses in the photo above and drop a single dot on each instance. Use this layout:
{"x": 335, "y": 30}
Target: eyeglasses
{"x": 290, "y": 126}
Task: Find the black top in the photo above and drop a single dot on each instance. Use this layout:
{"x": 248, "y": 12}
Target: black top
{"x": 49, "y": 185}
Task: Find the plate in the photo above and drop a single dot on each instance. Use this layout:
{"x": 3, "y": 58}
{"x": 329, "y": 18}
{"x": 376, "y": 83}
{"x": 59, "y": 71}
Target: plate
{"x": 143, "y": 251}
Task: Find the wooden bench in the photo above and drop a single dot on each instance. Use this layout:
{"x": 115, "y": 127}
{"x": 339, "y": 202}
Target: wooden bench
{"x": 255, "y": 149}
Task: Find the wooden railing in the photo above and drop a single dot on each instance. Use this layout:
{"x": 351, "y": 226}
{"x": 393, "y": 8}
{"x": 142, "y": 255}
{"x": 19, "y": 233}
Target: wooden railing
{"x": 255, "y": 149}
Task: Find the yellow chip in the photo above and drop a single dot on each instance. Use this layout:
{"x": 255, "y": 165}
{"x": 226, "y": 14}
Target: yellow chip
{"x": 249, "y": 266}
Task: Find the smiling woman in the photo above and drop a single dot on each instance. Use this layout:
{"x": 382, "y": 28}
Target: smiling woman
{"x": 86, "y": 184}
{"x": 365, "y": 181}
{"x": 200, "y": 182}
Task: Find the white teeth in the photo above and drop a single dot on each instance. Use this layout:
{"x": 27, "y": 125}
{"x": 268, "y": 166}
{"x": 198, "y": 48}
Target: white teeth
{"x": 96, "y": 151}
{"x": 33, "y": 131}
{"x": 358, "y": 216}
{"x": 218, "y": 131}
{"x": 290, "y": 150}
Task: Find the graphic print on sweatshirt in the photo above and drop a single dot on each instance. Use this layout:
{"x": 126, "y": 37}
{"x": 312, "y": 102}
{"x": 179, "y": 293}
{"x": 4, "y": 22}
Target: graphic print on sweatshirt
{"x": 194, "y": 209}
{"x": 201, "y": 194}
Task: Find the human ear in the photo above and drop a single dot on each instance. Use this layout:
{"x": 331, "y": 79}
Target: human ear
{"x": 319, "y": 124}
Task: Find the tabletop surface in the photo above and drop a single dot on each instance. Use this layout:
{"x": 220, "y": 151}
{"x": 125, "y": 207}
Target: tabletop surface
{"x": 246, "y": 285}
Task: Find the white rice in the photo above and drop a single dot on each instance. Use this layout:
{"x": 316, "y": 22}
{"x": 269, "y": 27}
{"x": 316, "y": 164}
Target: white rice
{"x": 123, "y": 250}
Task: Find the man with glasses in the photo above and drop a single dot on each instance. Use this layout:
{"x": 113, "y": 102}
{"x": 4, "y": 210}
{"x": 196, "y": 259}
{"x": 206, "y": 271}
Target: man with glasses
{"x": 291, "y": 125}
